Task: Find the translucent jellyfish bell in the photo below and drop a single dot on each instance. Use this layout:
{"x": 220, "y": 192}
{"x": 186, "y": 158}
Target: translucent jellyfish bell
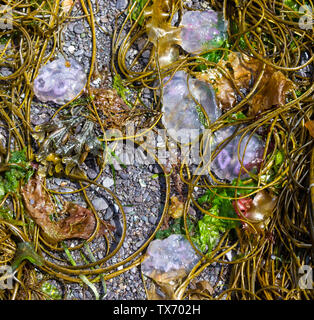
{"x": 226, "y": 165}
{"x": 181, "y": 114}
{"x": 59, "y": 81}
{"x": 170, "y": 254}
{"x": 202, "y": 30}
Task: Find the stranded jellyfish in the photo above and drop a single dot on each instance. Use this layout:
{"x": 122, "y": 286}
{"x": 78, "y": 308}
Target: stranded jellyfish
{"x": 182, "y": 97}
{"x": 202, "y": 30}
{"x": 59, "y": 81}
{"x": 227, "y": 164}
{"x": 169, "y": 255}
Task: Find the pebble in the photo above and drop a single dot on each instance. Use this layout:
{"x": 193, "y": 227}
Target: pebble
{"x": 124, "y": 175}
{"x": 109, "y": 213}
{"x": 138, "y": 199}
{"x": 146, "y": 196}
{"x": 142, "y": 183}
{"x": 103, "y": 19}
{"x": 79, "y": 53}
{"x": 78, "y": 28}
{"x": 108, "y": 182}
{"x": 5, "y": 72}
{"x": 128, "y": 209}
{"x": 152, "y": 219}
{"x": 91, "y": 173}
{"x": 116, "y": 208}
{"x": 229, "y": 255}
{"x": 57, "y": 181}
{"x": 157, "y": 169}
{"x": 88, "y": 54}
{"x": 146, "y": 54}
{"x": 100, "y": 204}
{"x": 71, "y": 49}
{"x": 96, "y": 82}
{"x": 121, "y": 4}
{"x": 139, "y": 243}
{"x": 116, "y": 165}
{"x": 70, "y": 27}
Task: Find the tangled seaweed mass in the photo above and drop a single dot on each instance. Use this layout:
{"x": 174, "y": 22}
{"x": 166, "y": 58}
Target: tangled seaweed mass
{"x": 239, "y": 74}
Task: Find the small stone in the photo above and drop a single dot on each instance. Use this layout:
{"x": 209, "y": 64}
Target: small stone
{"x": 229, "y": 255}
{"x": 124, "y": 175}
{"x": 139, "y": 243}
{"x": 78, "y": 28}
{"x": 109, "y": 214}
{"x": 71, "y": 49}
{"x": 5, "y": 72}
{"x": 96, "y": 82}
{"x": 108, "y": 182}
{"x": 152, "y": 219}
{"x": 154, "y": 210}
{"x": 122, "y": 4}
{"x": 157, "y": 169}
{"x": 36, "y": 120}
{"x": 88, "y": 54}
{"x": 116, "y": 165}
{"x": 146, "y": 54}
{"x": 91, "y": 173}
{"x": 141, "y": 43}
{"x": 67, "y": 190}
{"x": 103, "y": 19}
{"x": 79, "y": 53}
{"x": 142, "y": 183}
{"x": 146, "y": 196}
{"x": 100, "y": 204}
{"x": 108, "y": 28}
{"x": 128, "y": 210}
{"x": 57, "y": 181}
{"x": 138, "y": 199}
